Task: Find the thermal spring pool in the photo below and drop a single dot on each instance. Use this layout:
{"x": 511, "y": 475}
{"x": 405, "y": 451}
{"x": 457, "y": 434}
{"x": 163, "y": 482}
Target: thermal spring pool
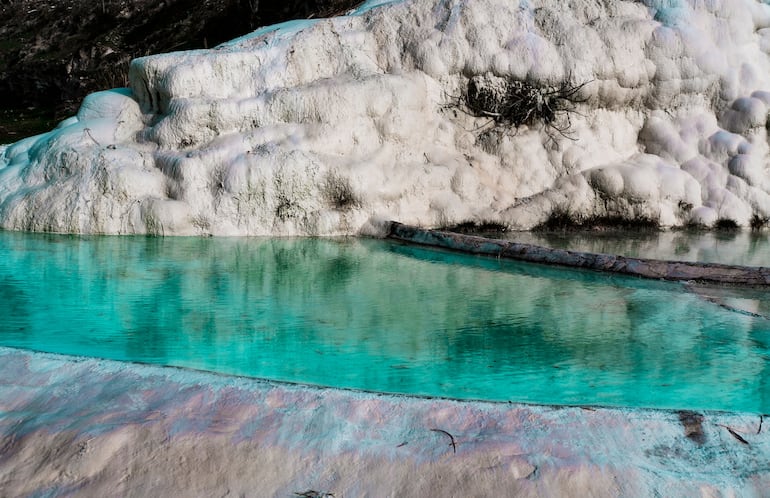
{"x": 735, "y": 247}
{"x": 380, "y": 316}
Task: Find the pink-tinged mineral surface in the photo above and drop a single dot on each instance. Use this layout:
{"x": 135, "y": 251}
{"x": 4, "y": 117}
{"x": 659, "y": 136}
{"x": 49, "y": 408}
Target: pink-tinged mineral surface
{"x": 83, "y": 427}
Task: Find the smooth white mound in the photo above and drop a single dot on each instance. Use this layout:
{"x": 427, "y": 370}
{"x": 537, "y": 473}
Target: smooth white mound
{"x": 321, "y": 127}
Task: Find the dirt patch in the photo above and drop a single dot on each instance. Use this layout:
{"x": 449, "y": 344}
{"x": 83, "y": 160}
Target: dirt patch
{"x": 693, "y": 426}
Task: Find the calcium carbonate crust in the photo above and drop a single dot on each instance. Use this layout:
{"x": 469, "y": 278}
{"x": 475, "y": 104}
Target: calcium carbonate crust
{"x": 323, "y": 127}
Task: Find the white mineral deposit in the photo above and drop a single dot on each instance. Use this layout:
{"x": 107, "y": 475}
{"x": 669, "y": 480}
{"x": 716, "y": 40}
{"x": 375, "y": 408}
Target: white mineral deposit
{"x": 324, "y": 127}
{"x": 153, "y": 431}
{"x": 650, "y": 110}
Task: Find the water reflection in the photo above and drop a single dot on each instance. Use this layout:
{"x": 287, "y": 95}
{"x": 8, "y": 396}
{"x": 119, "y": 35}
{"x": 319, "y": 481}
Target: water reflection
{"x": 383, "y": 316}
{"x": 748, "y": 248}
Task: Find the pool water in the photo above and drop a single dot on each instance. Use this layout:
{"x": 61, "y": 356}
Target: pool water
{"x": 737, "y": 247}
{"x": 381, "y": 316}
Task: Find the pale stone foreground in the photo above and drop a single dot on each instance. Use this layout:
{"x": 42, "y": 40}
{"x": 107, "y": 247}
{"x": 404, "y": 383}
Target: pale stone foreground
{"x": 83, "y": 427}
{"x": 320, "y": 126}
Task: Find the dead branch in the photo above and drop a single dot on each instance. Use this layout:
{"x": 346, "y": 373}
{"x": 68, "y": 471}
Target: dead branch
{"x": 734, "y": 433}
{"x": 452, "y": 442}
{"x": 87, "y": 131}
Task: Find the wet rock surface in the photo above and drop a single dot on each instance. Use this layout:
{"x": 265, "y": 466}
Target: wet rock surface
{"x": 97, "y": 428}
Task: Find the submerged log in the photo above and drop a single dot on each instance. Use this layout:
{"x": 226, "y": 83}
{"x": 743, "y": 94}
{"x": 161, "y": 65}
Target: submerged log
{"x": 639, "y": 267}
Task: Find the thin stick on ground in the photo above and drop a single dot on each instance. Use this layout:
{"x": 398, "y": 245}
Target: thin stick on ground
{"x": 452, "y": 442}
{"x": 734, "y": 433}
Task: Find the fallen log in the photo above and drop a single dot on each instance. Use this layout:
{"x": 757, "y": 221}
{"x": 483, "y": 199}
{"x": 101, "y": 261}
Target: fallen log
{"x": 639, "y": 267}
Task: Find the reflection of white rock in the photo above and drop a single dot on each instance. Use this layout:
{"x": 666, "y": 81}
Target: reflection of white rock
{"x": 316, "y": 127}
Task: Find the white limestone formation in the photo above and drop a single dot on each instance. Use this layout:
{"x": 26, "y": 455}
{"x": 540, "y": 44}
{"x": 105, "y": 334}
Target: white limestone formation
{"x": 323, "y": 127}
{"x": 85, "y": 427}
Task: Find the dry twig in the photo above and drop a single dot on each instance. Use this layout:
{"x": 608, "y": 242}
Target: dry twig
{"x": 734, "y": 434}
{"x": 452, "y": 442}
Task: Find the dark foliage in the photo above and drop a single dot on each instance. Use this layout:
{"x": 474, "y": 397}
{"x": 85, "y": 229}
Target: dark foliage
{"x": 338, "y": 191}
{"x": 54, "y": 52}
{"x": 562, "y": 221}
{"x": 513, "y": 103}
{"x": 472, "y": 227}
{"x": 726, "y": 224}
{"x": 758, "y": 222}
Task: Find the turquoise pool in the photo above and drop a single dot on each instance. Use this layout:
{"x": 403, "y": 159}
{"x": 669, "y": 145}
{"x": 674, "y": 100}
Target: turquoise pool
{"x": 381, "y": 316}
{"x": 739, "y": 247}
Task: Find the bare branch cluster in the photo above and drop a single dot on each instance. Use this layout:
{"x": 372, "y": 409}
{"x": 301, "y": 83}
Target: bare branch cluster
{"x": 512, "y": 103}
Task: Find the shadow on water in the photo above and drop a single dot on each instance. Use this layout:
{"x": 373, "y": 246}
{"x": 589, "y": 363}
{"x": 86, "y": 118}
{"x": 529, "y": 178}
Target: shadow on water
{"x": 381, "y": 316}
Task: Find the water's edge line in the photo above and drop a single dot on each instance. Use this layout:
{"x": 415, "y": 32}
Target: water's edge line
{"x": 194, "y": 376}
{"x": 714, "y": 273}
